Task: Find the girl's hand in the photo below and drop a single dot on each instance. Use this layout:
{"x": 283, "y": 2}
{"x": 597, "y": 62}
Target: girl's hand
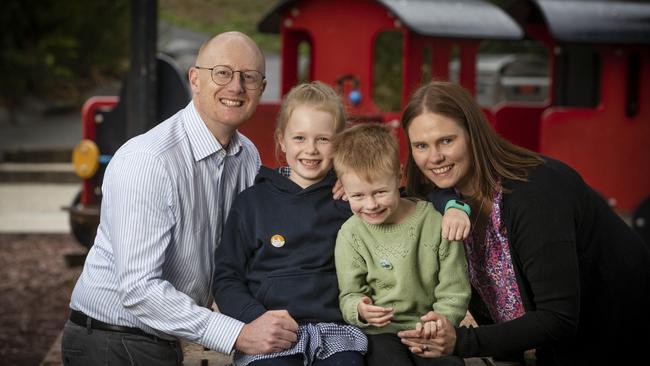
{"x": 338, "y": 192}
{"x": 376, "y": 316}
{"x": 455, "y": 224}
{"x": 442, "y": 344}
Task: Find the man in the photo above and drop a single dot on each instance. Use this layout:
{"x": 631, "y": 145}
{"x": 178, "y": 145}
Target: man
{"x": 166, "y": 195}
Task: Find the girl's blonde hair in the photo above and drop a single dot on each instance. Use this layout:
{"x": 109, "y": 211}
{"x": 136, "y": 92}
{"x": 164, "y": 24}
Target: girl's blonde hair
{"x": 315, "y": 94}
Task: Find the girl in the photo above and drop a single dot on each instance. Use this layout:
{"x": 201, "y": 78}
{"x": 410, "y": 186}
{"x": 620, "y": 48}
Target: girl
{"x": 277, "y": 248}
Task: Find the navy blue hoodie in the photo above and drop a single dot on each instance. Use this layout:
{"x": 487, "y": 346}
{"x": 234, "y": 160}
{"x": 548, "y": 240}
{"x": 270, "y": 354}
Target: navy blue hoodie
{"x": 277, "y": 251}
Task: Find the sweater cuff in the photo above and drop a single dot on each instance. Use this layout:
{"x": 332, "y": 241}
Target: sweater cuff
{"x": 221, "y": 333}
{"x": 351, "y": 312}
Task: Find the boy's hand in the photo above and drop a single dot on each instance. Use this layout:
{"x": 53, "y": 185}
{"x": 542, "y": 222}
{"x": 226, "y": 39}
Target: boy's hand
{"x": 374, "y": 315}
{"x": 455, "y": 224}
{"x": 428, "y": 330}
{"x": 338, "y": 192}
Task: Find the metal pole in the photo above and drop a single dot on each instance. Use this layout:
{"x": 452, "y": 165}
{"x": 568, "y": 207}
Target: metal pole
{"x": 141, "y": 85}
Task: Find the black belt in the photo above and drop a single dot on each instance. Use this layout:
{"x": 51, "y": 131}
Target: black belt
{"x": 85, "y": 321}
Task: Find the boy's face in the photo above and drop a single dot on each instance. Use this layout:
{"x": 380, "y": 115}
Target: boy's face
{"x": 375, "y": 202}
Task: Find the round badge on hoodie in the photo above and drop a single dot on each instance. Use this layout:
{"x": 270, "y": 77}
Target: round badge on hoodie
{"x": 277, "y": 240}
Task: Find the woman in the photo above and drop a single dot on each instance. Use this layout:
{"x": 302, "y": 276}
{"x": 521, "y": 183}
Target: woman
{"x": 552, "y": 267}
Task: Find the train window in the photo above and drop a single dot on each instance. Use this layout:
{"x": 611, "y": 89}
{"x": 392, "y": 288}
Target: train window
{"x": 426, "y": 64}
{"x": 304, "y": 62}
{"x": 387, "y": 71}
{"x": 577, "y": 76}
{"x": 454, "y": 64}
{"x": 509, "y": 71}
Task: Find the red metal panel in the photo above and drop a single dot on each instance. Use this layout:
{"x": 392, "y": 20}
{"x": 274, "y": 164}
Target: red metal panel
{"x": 609, "y": 149}
{"x": 291, "y": 40}
{"x": 519, "y": 123}
{"x": 89, "y": 110}
{"x": 468, "y": 51}
{"x": 88, "y": 131}
{"x": 343, "y": 35}
{"x": 260, "y": 129}
{"x": 441, "y": 55}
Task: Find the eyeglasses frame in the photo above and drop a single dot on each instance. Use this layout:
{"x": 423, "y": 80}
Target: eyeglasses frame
{"x": 241, "y": 73}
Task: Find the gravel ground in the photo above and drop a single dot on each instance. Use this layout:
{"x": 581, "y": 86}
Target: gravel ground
{"x": 35, "y": 287}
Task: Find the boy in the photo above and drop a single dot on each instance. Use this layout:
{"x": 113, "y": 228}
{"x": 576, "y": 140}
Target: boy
{"x": 392, "y": 264}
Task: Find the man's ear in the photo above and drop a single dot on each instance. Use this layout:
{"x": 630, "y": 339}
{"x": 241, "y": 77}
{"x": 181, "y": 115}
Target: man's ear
{"x": 263, "y": 87}
{"x": 193, "y": 77}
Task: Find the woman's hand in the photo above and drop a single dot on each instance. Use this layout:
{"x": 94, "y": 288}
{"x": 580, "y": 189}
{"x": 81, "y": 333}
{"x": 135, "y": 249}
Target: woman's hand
{"x": 376, "y": 316}
{"x": 441, "y": 343}
{"x": 455, "y": 224}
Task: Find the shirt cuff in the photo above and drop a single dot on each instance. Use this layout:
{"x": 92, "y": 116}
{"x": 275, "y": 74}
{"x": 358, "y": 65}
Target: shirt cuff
{"x": 222, "y": 332}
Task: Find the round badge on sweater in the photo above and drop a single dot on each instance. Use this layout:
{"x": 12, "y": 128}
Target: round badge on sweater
{"x": 277, "y": 240}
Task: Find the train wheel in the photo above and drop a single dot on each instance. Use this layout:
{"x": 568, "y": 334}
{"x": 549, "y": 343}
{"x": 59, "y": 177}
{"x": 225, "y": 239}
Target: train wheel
{"x": 641, "y": 220}
{"x": 83, "y": 222}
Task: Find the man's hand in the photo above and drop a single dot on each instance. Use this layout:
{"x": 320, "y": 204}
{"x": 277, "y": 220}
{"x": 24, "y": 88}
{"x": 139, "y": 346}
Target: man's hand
{"x": 272, "y": 331}
{"x": 455, "y": 224}
{"x": 373, "y": 315}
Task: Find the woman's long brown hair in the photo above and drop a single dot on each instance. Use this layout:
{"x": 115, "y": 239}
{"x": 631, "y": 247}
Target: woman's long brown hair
{"x": 492, "y": 157}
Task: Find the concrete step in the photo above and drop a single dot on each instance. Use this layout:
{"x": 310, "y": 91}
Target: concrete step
{"x": 37, "y": 155}
{"x": 12, "y": 172}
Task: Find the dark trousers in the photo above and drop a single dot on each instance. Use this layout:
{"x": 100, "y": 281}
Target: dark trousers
{"x": 388, "y": 349}
{"x": 90, "y": 347}
{"x": 347, "y": 358}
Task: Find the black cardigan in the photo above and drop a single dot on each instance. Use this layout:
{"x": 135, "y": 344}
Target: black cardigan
{"x": 583, "y": 274}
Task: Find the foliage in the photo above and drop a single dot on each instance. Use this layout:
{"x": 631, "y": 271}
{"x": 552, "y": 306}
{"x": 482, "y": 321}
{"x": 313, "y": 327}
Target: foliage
{"x": 216, "y": 16}
{"x": 53, "y": 47}
{"x": 387, "y": 71}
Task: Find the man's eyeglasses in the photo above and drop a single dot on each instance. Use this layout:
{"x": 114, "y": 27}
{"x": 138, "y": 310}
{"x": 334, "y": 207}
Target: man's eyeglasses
{"x": 222, "y": 74}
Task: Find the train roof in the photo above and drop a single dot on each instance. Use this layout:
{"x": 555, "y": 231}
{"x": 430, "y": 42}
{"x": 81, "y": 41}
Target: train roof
{"x": 597, "y": 21}
{"x": 440, "y": 18}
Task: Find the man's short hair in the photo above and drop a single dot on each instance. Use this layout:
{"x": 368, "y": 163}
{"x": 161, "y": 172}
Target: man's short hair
{"x": 368, "y": 150}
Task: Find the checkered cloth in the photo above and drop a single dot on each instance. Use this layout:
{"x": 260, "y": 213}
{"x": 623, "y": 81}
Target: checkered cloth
{"x": 316, "y": 341}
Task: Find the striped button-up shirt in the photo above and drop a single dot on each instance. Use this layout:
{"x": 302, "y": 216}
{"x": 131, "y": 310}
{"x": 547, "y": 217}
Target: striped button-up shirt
{"x": 166, "y": 195}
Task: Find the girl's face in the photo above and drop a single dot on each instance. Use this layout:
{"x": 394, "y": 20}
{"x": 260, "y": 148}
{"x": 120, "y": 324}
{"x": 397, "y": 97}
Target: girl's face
{"x": 441, "y": 151}
{"x": 307, "y": 144}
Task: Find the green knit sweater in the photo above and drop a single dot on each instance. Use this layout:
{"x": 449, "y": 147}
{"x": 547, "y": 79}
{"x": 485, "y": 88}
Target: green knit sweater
{"x": 407, "y": 266}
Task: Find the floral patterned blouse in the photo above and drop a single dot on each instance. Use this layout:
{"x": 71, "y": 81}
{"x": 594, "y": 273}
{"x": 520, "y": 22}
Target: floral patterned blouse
{"x": 491, "y": 271}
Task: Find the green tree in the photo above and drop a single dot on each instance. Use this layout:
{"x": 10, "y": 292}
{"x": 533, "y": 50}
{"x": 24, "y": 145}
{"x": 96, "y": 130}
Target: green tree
{"x": 56, "y": 48}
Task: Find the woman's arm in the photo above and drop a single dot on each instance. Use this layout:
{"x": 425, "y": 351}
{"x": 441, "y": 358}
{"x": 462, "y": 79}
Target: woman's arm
{"x": 455, "y": 213}
{"x": 540, "y": 223}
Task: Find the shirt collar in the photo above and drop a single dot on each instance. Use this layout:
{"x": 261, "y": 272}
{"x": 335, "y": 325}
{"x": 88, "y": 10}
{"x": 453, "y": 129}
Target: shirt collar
{"x": 202, "y": 140}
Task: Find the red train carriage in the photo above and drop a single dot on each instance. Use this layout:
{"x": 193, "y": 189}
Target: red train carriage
{"x": 594, "y": 117}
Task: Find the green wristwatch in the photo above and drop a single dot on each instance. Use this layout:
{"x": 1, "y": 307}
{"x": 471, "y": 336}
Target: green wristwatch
{"x": 459, "y": 205}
